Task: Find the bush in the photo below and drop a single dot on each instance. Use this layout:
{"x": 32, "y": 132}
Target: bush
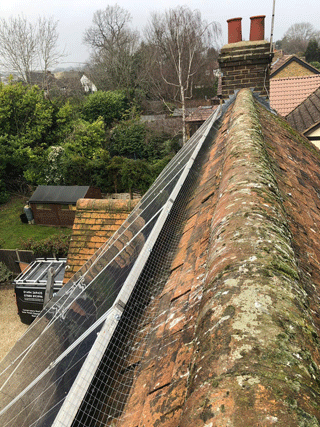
{"x": 5, "y": 273}
{"x": 109, "y": 105}
{"x": 128, "y": 139}
{"x": 315, "y": 64}
{"x": 58, "y": 246}
{"x": 4, "y": 195}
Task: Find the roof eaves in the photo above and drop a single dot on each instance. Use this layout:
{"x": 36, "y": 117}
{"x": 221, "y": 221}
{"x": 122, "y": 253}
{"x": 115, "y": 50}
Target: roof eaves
{"x": 312, "y": 128}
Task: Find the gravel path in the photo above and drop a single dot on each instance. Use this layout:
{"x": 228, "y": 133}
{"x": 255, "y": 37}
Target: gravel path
{"x": 11, "y": 328}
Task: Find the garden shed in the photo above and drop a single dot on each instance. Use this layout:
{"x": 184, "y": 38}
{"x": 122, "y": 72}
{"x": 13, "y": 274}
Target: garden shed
{"x": 56, "y": 204}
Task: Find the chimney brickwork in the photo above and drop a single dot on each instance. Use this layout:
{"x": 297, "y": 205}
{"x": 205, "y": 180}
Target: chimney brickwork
{"x": 245, "y": 64}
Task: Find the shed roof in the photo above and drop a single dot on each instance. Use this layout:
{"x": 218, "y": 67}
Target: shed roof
{"x": 286, "y": 94}
{"x": 60, "y": 194}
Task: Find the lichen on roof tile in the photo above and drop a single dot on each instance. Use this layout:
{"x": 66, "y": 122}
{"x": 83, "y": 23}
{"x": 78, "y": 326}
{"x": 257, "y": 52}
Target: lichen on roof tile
{"x": 95, "y": 222}
{"x": 248, "y": 313}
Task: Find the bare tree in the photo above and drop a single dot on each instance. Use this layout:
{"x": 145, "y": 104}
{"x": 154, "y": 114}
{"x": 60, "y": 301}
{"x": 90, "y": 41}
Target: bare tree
{"x": 18, "y": 46}
{"x": 181, "y": 39}
{"x": 297, "y": 37}
{"x": 26, "y": 47}
{"x": 47, "y": 45}
{"x": 113, "y": 46}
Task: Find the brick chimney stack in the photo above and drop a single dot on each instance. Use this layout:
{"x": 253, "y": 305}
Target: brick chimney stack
{"x": 245, "y": 63}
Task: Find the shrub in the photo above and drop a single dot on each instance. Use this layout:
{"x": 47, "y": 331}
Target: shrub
{"x": 57, "y": 246}
{"x": 315, "y": 64}
{"x": 5, "y": 273}
{"x": 128, "y": 139}
{"x": 109, "y": 105}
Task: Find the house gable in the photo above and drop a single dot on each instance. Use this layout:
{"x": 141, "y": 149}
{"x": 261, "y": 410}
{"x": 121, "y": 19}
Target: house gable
{"x": 293, "y": 66}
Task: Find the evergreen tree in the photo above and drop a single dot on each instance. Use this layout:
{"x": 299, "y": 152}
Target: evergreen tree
{"x": 313, "y": 51}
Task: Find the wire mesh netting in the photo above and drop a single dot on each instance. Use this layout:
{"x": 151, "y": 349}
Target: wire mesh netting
{"x": 39, "y": 373}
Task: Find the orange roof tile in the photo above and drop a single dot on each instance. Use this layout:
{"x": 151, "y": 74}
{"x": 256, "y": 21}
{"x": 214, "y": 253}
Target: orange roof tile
{"x": 221, "y": 337}
{"x": 287, "y": 94}
{"x": 95, "y": 222}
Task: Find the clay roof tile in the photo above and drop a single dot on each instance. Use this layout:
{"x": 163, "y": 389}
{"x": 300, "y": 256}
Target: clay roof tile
{"x": 220, "y": 336}
{"x": 287, "y": 93}
{"x": 95, "y": 222}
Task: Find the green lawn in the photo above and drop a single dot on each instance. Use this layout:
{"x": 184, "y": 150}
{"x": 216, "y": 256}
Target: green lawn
{"x": 13, "y": 231}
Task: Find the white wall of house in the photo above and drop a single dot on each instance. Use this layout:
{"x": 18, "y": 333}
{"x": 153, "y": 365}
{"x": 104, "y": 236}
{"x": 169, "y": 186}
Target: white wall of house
{"x": 314, "y": 133}
{"x": 87, "y": 84}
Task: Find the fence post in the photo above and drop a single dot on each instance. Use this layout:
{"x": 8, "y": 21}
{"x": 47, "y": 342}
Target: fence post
{"x": 49, "y": 287}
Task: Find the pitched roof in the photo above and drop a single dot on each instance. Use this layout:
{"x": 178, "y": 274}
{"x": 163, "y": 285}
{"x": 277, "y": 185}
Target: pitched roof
{"x": 307, "y": 114}
{"x": 279, "y": 62}
{"x": 226, "y": 326}
{"x": 59, "y": 194}
{"x": 201, "y": 114}
{"x": 285, "y": 60}
{"x": 95, "y": 222}
{"x": 232, "y": 335}
{"x": 287, "y": 94}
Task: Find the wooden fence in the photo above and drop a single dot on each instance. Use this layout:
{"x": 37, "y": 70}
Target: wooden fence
{"x": 12, "y": 257}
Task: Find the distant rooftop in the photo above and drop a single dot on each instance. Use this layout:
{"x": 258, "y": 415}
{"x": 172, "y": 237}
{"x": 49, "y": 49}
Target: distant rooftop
{"x": 202, "y": 113}
{"x": 307, "y": 114}
{"x": 286, "y": 60}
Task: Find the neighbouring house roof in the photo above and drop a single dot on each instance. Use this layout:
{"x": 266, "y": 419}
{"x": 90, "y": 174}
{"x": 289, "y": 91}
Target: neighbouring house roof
{"x": 41, "y": 79}
{"x": 58, "y": 194}
{"x": 307, "y": 114}
{"x": 287, "y": 60}
{"x": 286, "y": 94}
{"x": 231, "y": 337}
{"x": 201, "y": 114}
{"x": 279, "y": 62}
{"x": 95, "y": 222}
{"x": 178, "y": 111}
{"x": 68, "y": 75}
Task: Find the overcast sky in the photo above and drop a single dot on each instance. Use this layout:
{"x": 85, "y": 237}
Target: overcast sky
{"x": 75, "y": 16}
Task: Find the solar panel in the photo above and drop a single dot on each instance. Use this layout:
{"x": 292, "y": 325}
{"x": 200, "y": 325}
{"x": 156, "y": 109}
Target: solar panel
{"x": 51, "y": 368}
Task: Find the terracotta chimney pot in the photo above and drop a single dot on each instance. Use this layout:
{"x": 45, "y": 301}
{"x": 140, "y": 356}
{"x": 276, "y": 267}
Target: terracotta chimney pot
{"x": 234, "y": 30}
{"x": 257, "y": 28}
